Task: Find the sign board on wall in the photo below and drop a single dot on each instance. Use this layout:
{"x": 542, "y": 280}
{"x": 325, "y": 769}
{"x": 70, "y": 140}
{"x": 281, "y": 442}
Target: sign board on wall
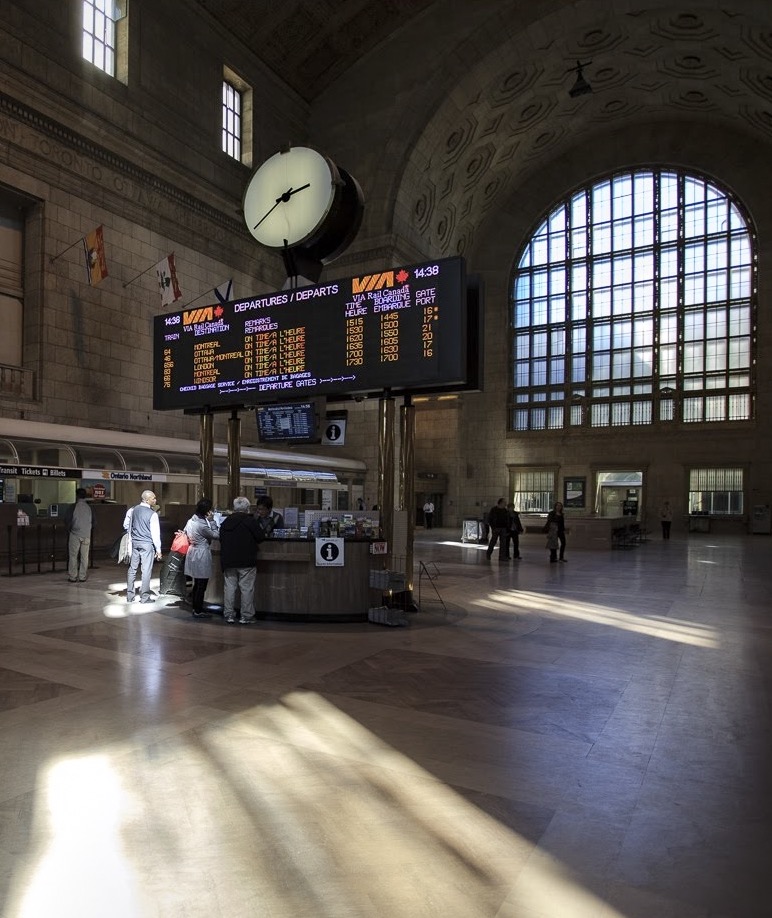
{"x": 334, "y": 432}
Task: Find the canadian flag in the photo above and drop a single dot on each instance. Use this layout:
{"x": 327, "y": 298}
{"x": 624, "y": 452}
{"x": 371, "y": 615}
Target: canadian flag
{"x": 168, "y": 287}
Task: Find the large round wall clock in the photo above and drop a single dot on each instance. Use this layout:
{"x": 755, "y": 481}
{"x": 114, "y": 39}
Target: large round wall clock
{"x": 299, "y": 200}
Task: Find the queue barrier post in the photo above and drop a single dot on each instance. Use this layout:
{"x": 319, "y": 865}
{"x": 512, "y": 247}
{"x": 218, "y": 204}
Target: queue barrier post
{"x": 10, "y": 552}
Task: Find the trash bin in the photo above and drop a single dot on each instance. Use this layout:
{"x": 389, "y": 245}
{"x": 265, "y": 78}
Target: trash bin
{"x": 172, "y": 580}
{"x": 762, "y": 519}
{"x": 472, "y": 531}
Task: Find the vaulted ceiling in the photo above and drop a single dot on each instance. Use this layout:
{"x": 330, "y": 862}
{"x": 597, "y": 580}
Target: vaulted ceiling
{"x": 309, "y": 43}
{"x": 493, "y": 102}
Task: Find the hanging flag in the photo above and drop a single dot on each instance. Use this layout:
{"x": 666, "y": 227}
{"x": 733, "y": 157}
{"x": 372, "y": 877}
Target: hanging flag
{"x": 96, "y": 263}
{"x": 224, "y": 292}
{"x": 167, "y": 280}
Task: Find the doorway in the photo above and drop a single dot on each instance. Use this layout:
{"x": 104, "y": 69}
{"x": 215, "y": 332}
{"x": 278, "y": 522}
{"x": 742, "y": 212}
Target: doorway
{"x": 619, "y": 494}
{"x": 421, "y": 499}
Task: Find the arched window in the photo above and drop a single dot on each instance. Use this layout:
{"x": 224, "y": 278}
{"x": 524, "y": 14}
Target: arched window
{"x": 634, "y": 303}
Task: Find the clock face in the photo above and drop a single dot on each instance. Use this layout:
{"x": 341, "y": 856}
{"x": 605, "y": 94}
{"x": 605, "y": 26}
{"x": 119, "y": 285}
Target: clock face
{"x": 289, "y": 197}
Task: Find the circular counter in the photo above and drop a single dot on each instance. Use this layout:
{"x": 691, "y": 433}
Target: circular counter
{"x": 291, "y": 586}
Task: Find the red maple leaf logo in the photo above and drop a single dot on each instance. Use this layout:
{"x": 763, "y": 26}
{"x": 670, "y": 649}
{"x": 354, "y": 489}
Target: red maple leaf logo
{"x": 402, "y": 276}
{"x": 218, "y": 311}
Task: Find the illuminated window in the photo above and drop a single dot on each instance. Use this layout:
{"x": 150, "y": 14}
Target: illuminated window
{"x": 533, "y": 490}
{"x": 636, "y": 297}
{"x": 101, "y": 32}
{"x": 231, "y": 120}
{"x": 236, "y": 117}
{"x": 718, "y": 492}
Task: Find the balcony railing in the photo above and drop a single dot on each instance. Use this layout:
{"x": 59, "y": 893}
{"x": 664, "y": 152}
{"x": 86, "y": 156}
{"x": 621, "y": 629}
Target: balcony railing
{"x": 17, "y": 382}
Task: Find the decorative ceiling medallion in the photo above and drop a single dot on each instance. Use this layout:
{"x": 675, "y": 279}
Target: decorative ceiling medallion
{"x": 445, "y": 225}
{"x": 684, "y": 27}
{"x": 531, "y": 114}
{"x": 459, "y": 140}
{"x": 478, "y": 164}
{"x": 514, "y": 84}
{"x": 762, "y": 120}
{"x": 423, "y": 209}
{"x": 690, "y": 66}
{"x": 759, "y": 82}
{"x": 596, "y": 40}
{"x": 759, "y": 42}
{"x": 464, "y": 241}
{"x": 609, "y": 77}
{"x": 694, "y": 100}
{"x": 544, "y": 141}
{"x": 616, "y": 109}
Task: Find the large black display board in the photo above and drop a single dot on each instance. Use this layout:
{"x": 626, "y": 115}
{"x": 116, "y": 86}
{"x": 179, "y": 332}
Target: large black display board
{"x": 402, "y": 329}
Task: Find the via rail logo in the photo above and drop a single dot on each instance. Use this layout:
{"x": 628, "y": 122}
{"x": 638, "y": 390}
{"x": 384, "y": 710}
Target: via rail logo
{"x": 329, "y": 553}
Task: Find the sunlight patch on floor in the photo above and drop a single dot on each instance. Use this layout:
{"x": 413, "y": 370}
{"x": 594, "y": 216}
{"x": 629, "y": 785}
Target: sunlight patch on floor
{"x": 117, "y": 607}
{"x": 84, "y": 869}
{"x": 669, "y": 629}
{"x": 287, "y": 808}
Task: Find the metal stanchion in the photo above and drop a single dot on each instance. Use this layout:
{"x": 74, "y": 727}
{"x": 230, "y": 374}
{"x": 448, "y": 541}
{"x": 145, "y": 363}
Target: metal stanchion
{"x": 39, "y": 541}
{"x": 21, "y": 537}
{"x": 10, "y": 552}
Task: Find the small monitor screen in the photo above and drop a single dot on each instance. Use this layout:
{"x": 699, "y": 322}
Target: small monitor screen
{"x": 296, "y": 422}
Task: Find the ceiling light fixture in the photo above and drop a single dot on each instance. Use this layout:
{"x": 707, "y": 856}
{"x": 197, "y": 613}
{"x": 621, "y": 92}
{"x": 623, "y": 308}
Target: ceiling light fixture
{"x": 581, "y": 87}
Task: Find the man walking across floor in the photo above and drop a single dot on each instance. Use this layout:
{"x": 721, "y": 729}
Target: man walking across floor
{"x": 79, "y": 520}
{"x": 499, "y": 522}
{"x": 141, "y": 522}
{"x": 428, "y": 514}
{"x": 240, "y": 534}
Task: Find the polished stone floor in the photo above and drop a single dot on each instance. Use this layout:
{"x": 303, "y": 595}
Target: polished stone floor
{"x": 581, "y": 740}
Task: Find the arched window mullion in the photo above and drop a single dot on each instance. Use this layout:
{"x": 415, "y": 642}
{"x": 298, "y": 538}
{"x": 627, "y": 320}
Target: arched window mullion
{"x": 669, "y": 319}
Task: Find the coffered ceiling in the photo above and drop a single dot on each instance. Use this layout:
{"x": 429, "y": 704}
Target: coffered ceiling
{"x": 492, "y": 102}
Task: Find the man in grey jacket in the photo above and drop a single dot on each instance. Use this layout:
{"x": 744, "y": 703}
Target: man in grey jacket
{"x": 141, "y": 522}
{"x": 78, "y": 520}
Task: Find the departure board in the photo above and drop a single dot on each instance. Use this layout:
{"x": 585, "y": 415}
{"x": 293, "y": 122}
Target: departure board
{"x": 403, "y": 329}
{"x": 297, "y": 421}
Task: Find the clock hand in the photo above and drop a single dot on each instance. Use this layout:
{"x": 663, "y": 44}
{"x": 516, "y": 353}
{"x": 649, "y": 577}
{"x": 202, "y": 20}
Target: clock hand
{"x": 288, "y": 194}
{"x": 282, "y": 199}
{"x": 265, "y": 216}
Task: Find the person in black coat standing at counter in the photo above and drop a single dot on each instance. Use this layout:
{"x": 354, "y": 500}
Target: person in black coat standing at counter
{"x": 239, "y": 538}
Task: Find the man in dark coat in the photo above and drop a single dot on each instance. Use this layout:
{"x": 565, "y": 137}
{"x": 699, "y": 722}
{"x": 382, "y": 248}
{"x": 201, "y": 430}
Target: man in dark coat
{"x": 514, "y": 532}
{"x": 499, "y": 521}
{"x": 239, "y": 537}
